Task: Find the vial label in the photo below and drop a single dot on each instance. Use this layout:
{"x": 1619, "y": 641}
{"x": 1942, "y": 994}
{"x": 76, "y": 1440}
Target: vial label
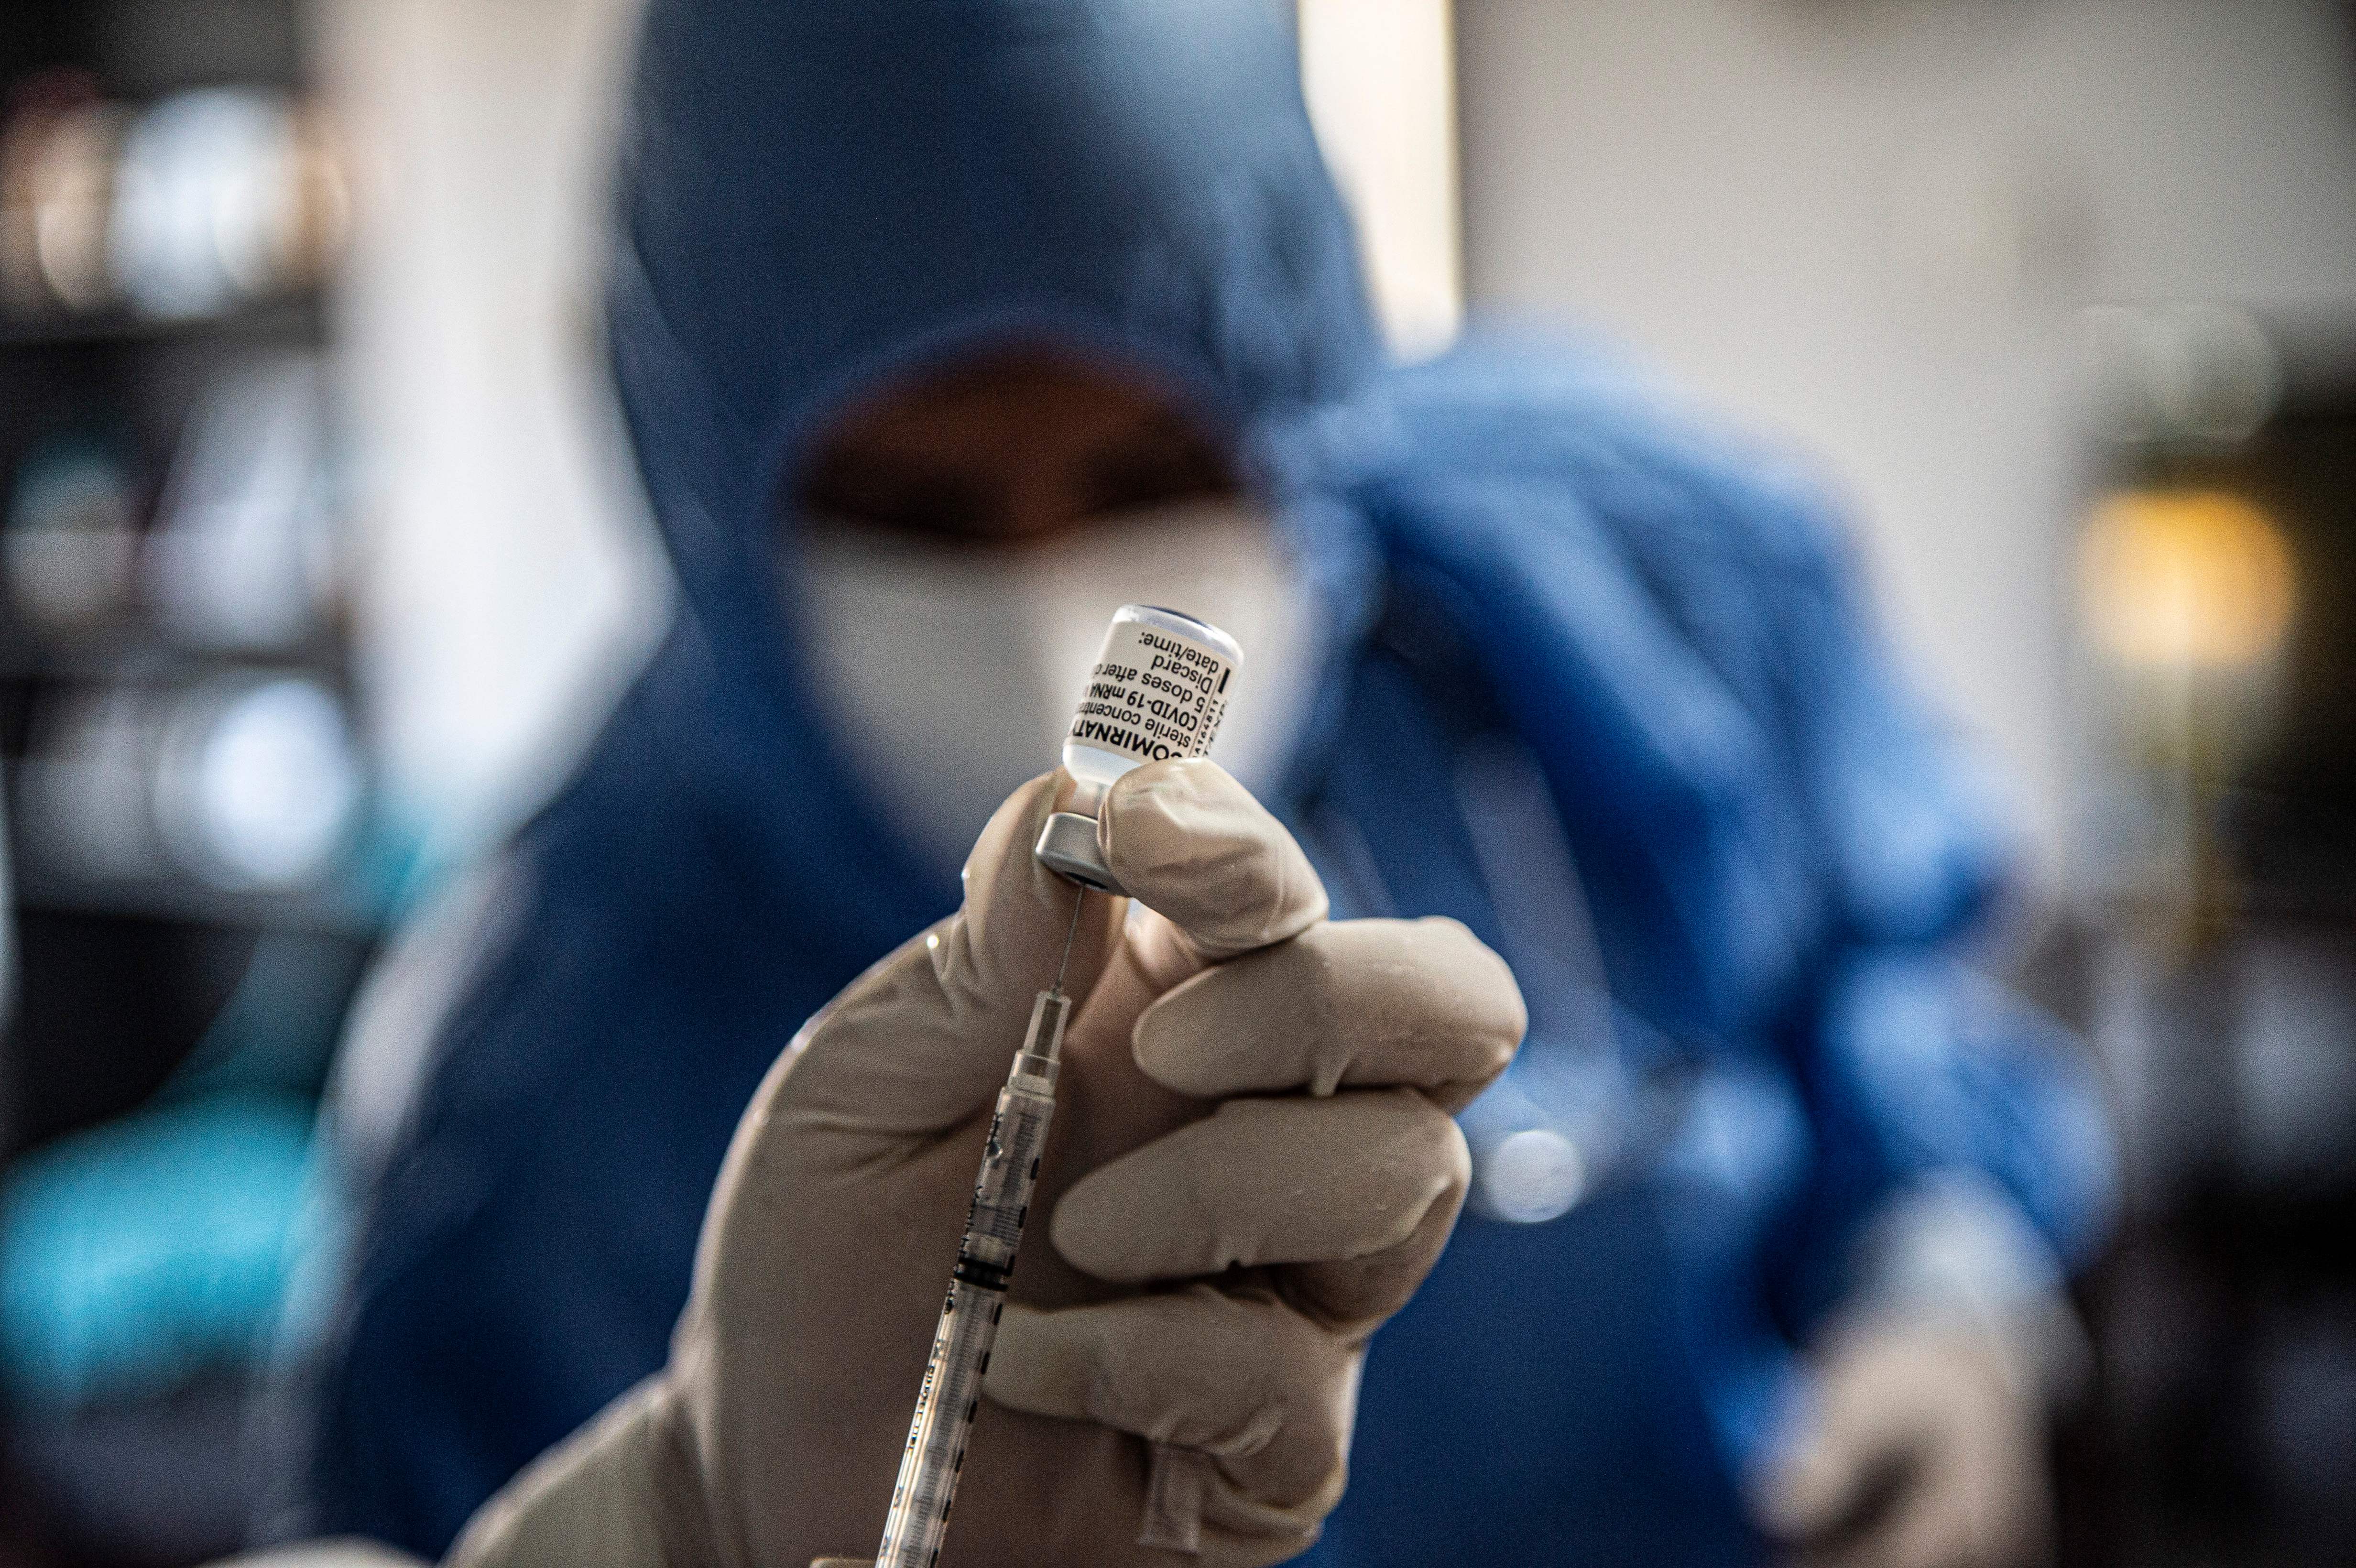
{"x": 1154, "y": 695}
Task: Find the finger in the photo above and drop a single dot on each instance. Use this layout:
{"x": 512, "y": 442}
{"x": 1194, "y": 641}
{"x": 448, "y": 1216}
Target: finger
{"x": 1914, "y": 1529}
{"x": 1242, "y": 1378}
{"x": 1282, "y": 1181}
{"x": 1977, "y": 1499}
{"x": 1876, "y": 1405}
{"x": 1189, "y": 842}
{"x": 922, "y": 1041}
{"x": 1347, "y": 1004}
{"x": 1927, "y": 1529}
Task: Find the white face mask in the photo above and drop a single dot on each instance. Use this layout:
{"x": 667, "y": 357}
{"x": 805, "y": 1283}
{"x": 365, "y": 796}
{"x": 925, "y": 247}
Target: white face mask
{"x": 949, "y": 672}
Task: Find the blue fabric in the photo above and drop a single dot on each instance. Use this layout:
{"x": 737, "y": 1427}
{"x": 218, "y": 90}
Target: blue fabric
{"x": 1761, "y": 821}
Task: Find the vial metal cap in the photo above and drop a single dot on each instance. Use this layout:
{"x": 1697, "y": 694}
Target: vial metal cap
{"x": 1067, "y": 844}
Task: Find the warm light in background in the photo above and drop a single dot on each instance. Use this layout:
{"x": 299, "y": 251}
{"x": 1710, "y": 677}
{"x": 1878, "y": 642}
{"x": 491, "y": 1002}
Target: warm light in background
{"x": 2192, "y": 579}
{"x": 1380, "y": 77}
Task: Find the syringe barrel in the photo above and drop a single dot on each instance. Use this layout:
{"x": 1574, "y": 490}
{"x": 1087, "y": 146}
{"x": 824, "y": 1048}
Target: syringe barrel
{"x": 951, "y": 1393}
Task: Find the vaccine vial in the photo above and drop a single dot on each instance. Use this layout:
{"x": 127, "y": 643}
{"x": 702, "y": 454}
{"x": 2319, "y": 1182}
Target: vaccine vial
{"x": 1158, "y": 690}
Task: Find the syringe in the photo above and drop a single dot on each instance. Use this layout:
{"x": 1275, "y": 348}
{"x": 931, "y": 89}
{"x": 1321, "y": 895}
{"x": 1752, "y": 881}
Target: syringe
{"x": 952, "y": 1393}
{"x": 1127, "y": 716}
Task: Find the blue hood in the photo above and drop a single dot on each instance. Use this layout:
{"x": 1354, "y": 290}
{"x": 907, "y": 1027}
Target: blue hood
{"x": 814, "y": 196}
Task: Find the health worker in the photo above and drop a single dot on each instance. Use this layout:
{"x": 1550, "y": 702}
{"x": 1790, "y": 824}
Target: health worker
{"x": 944, "y": 326}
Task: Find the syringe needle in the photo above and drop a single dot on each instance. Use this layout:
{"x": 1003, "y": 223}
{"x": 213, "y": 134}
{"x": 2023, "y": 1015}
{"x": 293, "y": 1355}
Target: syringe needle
{"x": 950, "y": 1394}
{"x": 1079, "y": 903}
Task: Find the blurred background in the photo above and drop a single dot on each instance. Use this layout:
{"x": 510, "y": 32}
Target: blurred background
{"x": 319, "y": 557}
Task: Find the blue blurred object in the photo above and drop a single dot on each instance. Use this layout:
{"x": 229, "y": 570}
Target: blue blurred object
{"x": 140, "y": 1255}
{"x": 1509, "y": 546}
{"x": 149, "y": 1263}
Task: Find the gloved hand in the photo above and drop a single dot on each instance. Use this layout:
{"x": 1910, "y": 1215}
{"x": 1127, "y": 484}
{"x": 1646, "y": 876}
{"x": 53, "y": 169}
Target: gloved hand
{"x": 1925, "y": 1449}
{"x": 1252, "y": 1165}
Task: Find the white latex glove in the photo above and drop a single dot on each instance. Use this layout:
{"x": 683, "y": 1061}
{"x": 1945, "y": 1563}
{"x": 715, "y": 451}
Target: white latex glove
{"x": 1924, "y": 1449}
{"x": 1252, "y": 1165}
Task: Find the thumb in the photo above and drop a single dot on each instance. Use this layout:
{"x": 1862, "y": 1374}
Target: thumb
{"x": 1810, "y": 1487}
{"x": 1836, "y": 1459}
{"x": 921, "y": 1040}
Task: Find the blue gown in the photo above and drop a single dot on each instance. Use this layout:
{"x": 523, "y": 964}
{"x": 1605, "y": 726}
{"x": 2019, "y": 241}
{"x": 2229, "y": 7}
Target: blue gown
{"x": 1599, "y": 687}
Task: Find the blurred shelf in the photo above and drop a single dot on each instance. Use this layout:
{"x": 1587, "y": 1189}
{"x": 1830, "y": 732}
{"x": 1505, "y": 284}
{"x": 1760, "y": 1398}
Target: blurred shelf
{"x": 294, "y": 318}
{"x": 138, "y": 655}
{"x": 335, "y": 907}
